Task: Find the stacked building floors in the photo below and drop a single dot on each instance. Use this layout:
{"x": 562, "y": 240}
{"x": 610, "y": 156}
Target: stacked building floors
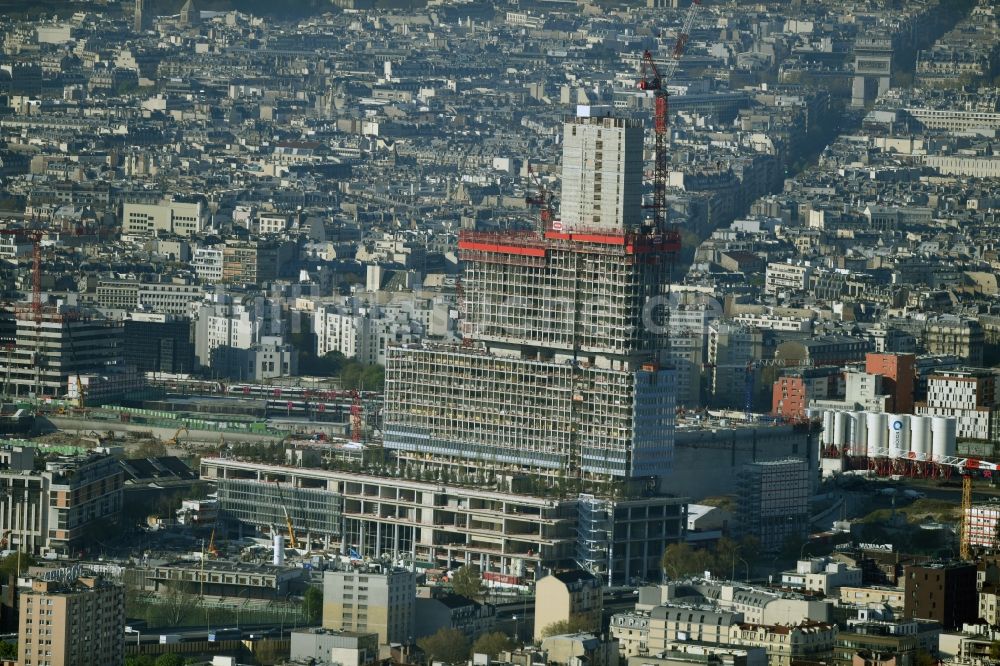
{"x": 512, "y": 537}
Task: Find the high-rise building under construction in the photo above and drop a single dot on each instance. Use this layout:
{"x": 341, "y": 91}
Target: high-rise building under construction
{"x": 562, "y": 373}
{"x": 535, "y": 443}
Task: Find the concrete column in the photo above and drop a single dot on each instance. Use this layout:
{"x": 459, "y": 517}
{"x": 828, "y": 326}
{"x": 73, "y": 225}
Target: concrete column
{"x": 26, "y": 523}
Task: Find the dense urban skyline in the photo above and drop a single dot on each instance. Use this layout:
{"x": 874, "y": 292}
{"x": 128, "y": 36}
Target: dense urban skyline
{"x": 659, "y": 332}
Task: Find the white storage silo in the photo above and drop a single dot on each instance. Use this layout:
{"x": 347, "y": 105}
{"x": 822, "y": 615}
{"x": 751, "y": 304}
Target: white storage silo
{"x": 943, "y": 430}
{"x": 920, "y": 437}
{"x": 840, "y": 420}
{"x": 951, "y": 441}
{"x": 859, "y": 434}
{"x": 878, "y": 437}
{"x": 827, "y": 428}
{"x": 899, "y": 435}
{"x": 279, "y": 550}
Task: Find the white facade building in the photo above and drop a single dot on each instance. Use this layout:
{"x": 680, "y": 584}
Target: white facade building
{"x": 786, "y": 277}
{"x": 340, "y": 330}
{"x": 968, "y": 396}
{"x": 207, "y": 263}
{"x": 272, "y": 223}
{"x": 168, "y": 297}
{"x": 820, "y": 574}
{"x": 774, "y": 322}
{"x": 12, "y": 248}
{"x": 224, "y": 324}
{"x": 361, "y": 326}
{"x": 984, "y": 526}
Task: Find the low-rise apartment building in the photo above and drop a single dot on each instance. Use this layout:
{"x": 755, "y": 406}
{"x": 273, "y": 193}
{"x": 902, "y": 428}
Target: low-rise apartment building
{"x": 54, "y": 510}
{"x": 786, "y": 644}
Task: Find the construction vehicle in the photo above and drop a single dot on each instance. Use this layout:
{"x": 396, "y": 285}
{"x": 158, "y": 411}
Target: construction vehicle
{"x": 81, "y": 398}
{"x": 5, "y": 539}
{"x": 81, "y": 395}
{"x": 173, "y": 440}
{"x": 292, "y": 541}
{"x": 212, "y": 550}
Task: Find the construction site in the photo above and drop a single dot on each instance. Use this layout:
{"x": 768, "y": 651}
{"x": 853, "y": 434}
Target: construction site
{"x": 53, "y": 345}
{"x": 45, "y": 345}
{"x": 579, "y": 296}
{"x": 562, "y": 371}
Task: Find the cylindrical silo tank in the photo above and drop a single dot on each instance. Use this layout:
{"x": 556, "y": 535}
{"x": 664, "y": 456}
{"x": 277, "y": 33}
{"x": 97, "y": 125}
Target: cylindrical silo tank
{"x": 840, "y": 420}
{"x": 920, "y": 437}
{"x": 827, "y": 428}
{"x": 859, "y": 434}
{"x": 899, "y": 435}
{"x": 877, "y": 436}
{"x": 279, "y": 550}
{"x": 943, "y": 430}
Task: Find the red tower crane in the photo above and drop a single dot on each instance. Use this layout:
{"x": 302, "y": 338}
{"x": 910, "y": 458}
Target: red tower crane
{"x": 655, "y": 82}
{"x": 543, "y": 199}
{"x": 355, "y": 415}
{"x": 35, "y": 237}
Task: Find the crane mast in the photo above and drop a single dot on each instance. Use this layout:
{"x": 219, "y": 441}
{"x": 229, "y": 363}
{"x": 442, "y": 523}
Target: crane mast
{"x": 654, "y": 82}
{"x": 965, "y": 542}
{"x": 543, "y": 199}
{"x": 356, "y": 409}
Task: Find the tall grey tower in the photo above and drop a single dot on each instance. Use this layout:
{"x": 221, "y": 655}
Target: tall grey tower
{"x": 140, "y": 15}
{"x": 561, "y": 373}
{"x": 602, "y": 172}
{"x": 563, "y": 378}
{"x": 189, "y": 15}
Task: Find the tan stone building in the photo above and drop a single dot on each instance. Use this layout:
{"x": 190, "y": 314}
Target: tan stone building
{"x": 989, "y": 604}
{"x": 565, "y": 595}
{"x": 872, "y": 594}
{"x": 651, "y": 632}
{"x": 372, "y": 601}
{"x": 784, "y": 644}
{"x": 75, "y": 623}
